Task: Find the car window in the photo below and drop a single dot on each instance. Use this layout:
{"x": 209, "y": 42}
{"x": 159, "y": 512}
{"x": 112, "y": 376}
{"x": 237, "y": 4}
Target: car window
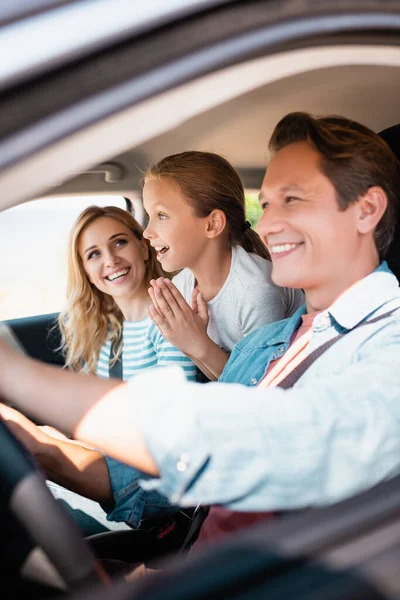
{"x": 33, "y": 248}
{"x": 253, "y": 208}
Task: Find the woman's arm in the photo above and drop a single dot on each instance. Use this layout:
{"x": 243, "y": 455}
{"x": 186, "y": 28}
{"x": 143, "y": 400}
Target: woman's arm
{"x": 78, "y": 468}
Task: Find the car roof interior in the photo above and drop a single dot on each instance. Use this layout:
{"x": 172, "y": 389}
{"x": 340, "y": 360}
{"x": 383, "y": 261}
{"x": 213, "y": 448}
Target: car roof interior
{"x": 238, "y": 124}
{"x": 239, "y": 129}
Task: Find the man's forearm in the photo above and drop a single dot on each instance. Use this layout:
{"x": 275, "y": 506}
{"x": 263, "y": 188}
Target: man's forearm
{"x": 95, "y": 410}
{"x": 50, "y": 394}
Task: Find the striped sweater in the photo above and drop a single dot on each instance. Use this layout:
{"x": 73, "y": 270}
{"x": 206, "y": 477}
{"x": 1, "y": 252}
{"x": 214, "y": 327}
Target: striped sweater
{"x": 144, "y": 347}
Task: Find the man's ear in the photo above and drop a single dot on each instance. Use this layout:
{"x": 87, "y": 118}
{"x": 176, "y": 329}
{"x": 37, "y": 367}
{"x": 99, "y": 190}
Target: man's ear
{"x": 371, "y": 208}
{"x": 216, "y": 223}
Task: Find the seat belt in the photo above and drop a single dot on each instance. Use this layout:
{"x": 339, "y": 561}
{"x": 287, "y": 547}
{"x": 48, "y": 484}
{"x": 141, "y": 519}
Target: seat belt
{"x": 294, "y": 375}
{"x": 115, "y": 370}
{"x": 199, "y": 516}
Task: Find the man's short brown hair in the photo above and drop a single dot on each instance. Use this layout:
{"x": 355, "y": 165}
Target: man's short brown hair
{"x": 353, "y": 158}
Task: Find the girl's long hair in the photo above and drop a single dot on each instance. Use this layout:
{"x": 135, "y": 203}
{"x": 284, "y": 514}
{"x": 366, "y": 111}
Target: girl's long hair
{"x": 209, "y": 182}
{"x": 90, "y": 317}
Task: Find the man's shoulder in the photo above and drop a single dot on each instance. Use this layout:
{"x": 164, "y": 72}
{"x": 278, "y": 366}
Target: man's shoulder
{"x": 271, "y": 333}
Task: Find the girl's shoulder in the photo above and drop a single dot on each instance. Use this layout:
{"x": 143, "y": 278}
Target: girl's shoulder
{"x": 251, "y": 267}
{"x": 255, "y": 276}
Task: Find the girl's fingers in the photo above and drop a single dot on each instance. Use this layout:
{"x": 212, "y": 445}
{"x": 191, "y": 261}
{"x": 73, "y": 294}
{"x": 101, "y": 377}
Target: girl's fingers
{"x": 175, "y": 293}
{"x": 202, "y": 309}
{"x": 195, "y": 307}
{"x": 155, "y": 316}
{"x": 161, "y": 305}
{"x": 165, "y": 300}
{"x": 153, "y": 313}
{"x": 154, "y": 300}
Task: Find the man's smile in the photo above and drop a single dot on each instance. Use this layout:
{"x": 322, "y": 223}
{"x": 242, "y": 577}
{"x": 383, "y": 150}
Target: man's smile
{"x": 280, "y": 250}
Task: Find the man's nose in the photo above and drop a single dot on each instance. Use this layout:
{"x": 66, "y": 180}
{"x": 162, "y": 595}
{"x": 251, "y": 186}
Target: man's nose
{"x": 272, "y": 221}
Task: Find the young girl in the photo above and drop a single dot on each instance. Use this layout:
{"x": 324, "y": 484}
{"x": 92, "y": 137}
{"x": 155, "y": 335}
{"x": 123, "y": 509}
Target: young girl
{"x": 104, "y": 324}
{"x": 196, "y": 207}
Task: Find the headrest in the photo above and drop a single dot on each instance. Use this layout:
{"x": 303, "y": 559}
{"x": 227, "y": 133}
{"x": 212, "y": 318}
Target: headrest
{"x": 391, "y": 135}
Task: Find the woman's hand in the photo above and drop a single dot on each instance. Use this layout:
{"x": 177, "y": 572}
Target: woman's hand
{"x": 66, "y": 462}
{"x": 183, "y": 326}
{"x": 25, "y": 430}
{"x": 53, "y": 432}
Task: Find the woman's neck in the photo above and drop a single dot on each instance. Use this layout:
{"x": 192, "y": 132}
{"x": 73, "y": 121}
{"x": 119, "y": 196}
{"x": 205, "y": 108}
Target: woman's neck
{"x": 212, "y": 270}
{"x": 134, "y": 308}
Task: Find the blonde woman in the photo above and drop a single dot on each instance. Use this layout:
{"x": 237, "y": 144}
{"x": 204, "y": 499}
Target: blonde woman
{"x": 105, "y": 325}
{"x": 110, "y": 266}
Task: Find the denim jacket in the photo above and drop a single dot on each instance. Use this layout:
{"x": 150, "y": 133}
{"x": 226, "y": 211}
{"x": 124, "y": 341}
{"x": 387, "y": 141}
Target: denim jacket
{"x": 334, "y": 433}
{"x": 251, "y": 356}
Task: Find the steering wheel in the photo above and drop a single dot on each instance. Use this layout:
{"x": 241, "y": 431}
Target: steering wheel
{"x": 43, "y": 518}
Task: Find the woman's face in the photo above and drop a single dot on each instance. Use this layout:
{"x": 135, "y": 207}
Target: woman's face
{"x": 113, "y": 258}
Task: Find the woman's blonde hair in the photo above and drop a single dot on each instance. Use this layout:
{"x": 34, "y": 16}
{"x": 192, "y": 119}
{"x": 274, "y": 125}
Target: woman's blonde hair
{"x": 91, "y": 317}
{"x": 209, "y": 182}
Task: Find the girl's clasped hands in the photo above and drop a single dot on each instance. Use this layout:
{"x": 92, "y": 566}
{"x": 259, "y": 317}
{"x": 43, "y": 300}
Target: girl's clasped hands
{"x": 183, "y": 326}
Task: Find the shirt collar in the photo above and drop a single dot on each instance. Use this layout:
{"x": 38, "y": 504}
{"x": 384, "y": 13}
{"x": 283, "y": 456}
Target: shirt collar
{"x": 365, "y": 297}
{"x": 282, "y": 335}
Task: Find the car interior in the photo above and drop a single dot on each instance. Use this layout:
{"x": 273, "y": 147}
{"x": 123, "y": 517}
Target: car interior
{"x": 237, "y": 128}
{"x": 98, "y": 121}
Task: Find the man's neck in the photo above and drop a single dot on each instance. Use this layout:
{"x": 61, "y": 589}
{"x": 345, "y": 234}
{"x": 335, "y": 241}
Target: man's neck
{"x": 322, "y": 297}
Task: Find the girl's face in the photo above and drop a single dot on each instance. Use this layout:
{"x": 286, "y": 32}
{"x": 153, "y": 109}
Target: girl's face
{"x": 113, "y": 258}
{"x": 178, "y": 236}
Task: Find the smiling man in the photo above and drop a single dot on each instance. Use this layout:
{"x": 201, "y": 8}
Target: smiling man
{"x": 289, "y": 437}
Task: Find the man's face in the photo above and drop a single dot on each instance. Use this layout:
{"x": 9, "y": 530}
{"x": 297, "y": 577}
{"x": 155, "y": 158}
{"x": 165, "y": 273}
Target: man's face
{"x": 311, "y": 240}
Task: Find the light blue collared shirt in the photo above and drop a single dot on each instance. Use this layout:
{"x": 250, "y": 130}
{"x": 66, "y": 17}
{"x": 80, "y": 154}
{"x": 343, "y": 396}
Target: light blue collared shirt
{"x": 334, "y": 434}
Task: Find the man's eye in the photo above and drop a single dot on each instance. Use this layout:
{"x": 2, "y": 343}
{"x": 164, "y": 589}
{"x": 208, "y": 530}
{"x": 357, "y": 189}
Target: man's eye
{"x": 289, "y": 199}
{"x": 264, "y": 205}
